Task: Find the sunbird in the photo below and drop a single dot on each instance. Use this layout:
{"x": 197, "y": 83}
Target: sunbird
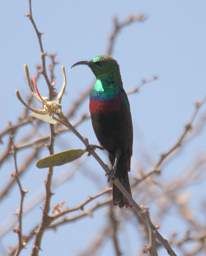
{"x": 111, "y": 120}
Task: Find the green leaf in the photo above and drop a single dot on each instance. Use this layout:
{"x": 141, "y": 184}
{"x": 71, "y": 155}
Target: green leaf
{"x": 60, "y": 158}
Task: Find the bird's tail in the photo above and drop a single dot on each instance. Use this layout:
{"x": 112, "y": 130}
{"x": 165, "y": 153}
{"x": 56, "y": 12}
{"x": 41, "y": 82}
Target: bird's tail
{"x": 122, "y": 175}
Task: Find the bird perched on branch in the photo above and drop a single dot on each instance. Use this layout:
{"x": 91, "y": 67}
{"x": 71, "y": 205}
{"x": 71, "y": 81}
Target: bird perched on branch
{"x": 111, "y": 120}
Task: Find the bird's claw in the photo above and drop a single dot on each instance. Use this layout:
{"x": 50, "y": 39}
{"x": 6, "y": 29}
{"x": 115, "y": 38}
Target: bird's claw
{"x": 92, "y": 147}
{"x": 111, "y": 175}
{"x": 113, "y": 171}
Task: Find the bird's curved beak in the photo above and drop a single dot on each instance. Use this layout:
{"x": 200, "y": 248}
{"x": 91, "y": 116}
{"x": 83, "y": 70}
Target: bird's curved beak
{"x": 83, "y": 62}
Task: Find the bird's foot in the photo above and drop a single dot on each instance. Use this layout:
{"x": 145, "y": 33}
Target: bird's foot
{"x": 96, "y": 147}
{"x": 112, "y": 174}
{"x": 113, "y": 171}
{"x": 92, "y": 147}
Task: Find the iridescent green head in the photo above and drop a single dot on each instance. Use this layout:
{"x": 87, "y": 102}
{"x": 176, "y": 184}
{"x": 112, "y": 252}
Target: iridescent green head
{"x": 102, "y": 66}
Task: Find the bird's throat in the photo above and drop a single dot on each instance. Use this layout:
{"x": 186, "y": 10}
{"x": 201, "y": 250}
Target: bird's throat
{"x": 98, "y": 87}
{"x": 105, "y": 96}
{"x": 106, "y": 87}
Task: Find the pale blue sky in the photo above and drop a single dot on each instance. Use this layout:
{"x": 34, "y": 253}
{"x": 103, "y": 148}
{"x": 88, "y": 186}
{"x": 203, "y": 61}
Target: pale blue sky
{"x": 170, "y": 44}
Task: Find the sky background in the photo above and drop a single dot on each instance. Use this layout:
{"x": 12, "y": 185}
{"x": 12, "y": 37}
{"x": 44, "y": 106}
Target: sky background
{"x": 170, "y": 44}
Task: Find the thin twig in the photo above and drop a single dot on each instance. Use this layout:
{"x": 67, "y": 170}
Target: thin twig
{"x": 21, "y": 170}
{"x": 97, "y": 242}
{"x": 53, "y": 224}
{"x": 19, "y": 229}
{"x": 118, "y": 26}
{"x": 151, "y": 248}
{"x": 86, "y": 213}
{"x": 115, "y": 228}
{"x": 178, "y": 143}
{"x": 81, "y": 205}
{"x": 43, "y": 53}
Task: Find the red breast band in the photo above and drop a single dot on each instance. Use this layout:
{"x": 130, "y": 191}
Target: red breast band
{"x": 96, "y": 106}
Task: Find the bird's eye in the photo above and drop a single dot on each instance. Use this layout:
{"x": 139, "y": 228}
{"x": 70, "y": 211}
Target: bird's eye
{"x": 99, "y": 63}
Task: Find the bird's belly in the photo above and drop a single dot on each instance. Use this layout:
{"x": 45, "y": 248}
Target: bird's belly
{"x": 105, "y": 120}
{"x": 109, "y": 130}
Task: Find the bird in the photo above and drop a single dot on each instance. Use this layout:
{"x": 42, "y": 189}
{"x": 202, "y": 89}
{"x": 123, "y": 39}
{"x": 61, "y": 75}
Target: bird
{"x": 111, "y": 120}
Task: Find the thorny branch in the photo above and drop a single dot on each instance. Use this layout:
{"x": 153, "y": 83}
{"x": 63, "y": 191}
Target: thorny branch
{"x": 115, "y": 228}
{"x": 21, "y": 170}
{"x": 118, "y": 26}
{"x": 46, "y": 209}
{"x": 19, "y": 229}
{"x": 97, "y": 242}
{"x": 178, "y": 143}
{"x": 80, "y": 206}
{"x": 43, "y": 53}
{"x": 54, "y": 221}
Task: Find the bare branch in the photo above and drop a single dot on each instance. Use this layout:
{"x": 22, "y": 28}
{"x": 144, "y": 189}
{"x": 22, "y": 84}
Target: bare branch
{"x": 115, "y": 228}
{"x": 119, "y": 26}
{"x": 19, "y": 229}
